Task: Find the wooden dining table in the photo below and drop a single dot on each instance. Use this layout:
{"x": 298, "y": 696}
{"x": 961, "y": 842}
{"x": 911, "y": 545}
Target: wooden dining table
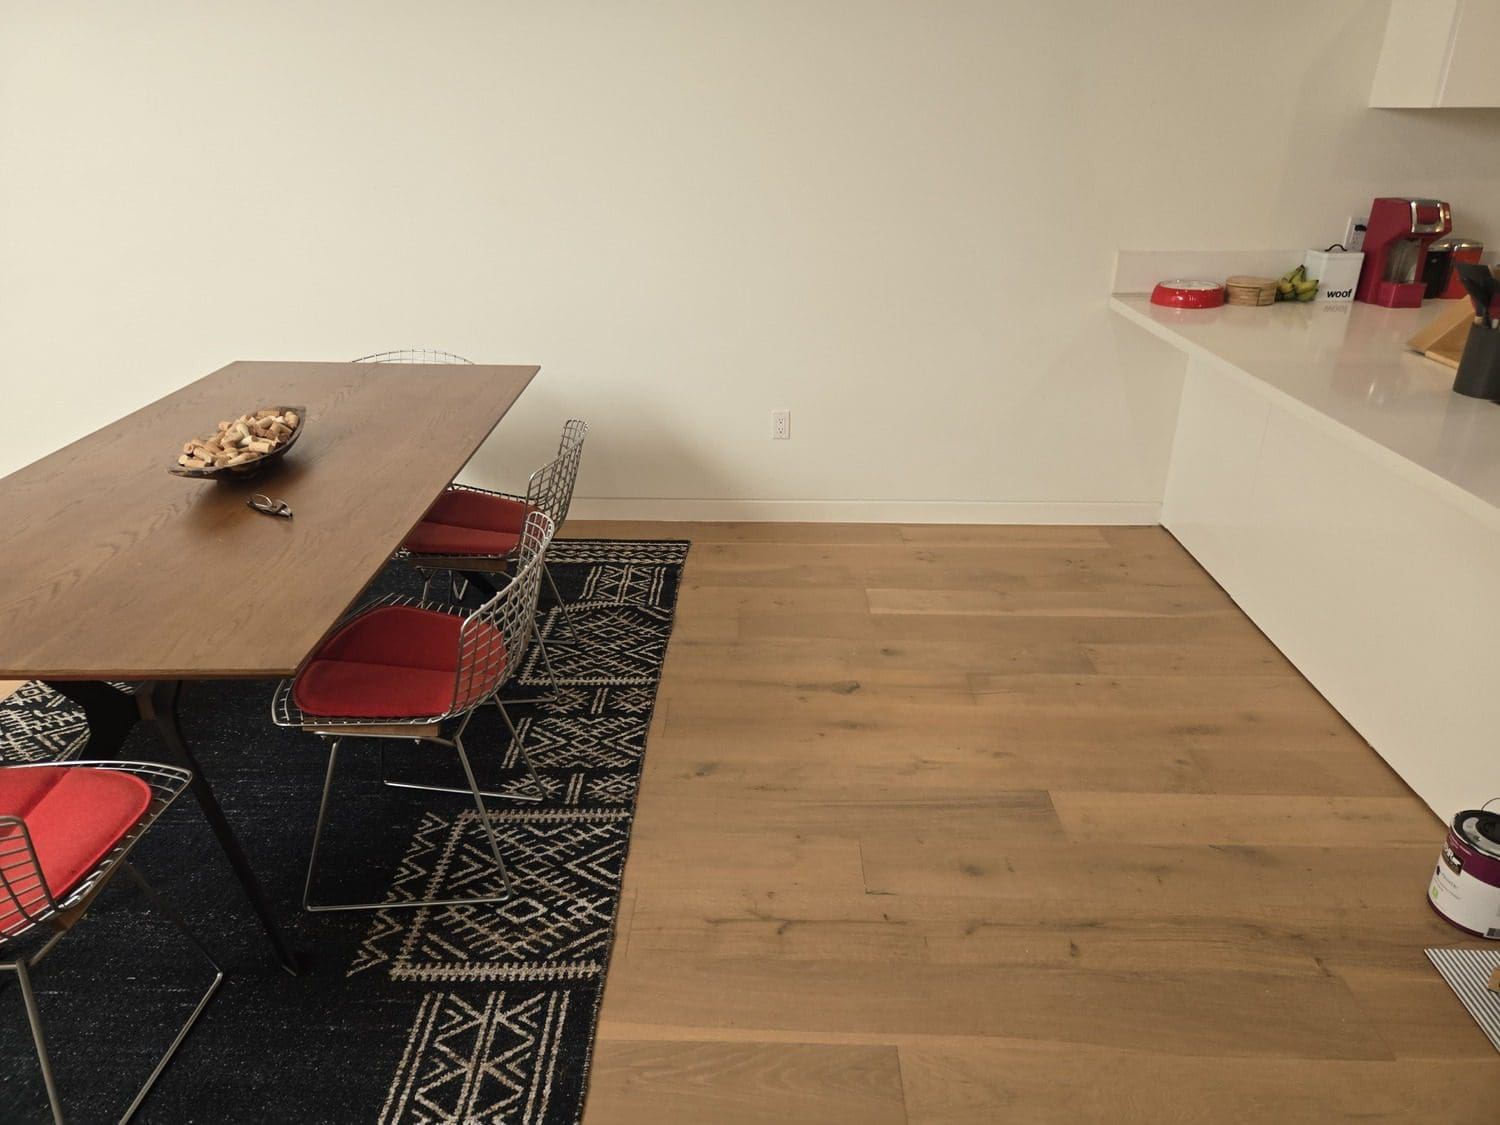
{"x": 113, "y": 570}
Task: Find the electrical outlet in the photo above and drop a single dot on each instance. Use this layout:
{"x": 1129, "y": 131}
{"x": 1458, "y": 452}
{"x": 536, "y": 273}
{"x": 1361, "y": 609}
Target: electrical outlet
{"x": 781, "y": 425}
{"x": 1354, "y": 232}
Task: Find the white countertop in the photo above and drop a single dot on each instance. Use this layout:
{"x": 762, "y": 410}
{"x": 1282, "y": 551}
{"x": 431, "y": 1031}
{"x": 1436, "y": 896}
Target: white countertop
{"x": 1348, "y": 366}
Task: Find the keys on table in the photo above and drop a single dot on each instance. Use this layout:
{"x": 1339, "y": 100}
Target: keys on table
{"x": 262, "y": 503}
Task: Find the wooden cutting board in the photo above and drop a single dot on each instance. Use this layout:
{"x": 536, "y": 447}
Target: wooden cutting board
{"x": 1444, "y": 338}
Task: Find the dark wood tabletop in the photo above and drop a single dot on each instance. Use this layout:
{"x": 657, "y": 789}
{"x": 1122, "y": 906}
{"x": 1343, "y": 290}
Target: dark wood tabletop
{"x": 113, "y": 569}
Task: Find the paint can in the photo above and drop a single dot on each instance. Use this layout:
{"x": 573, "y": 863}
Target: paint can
{"x": 1465, "y": 889}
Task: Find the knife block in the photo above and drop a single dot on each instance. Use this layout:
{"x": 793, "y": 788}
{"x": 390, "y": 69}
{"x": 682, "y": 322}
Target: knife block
{"x": 1479, "y": 367}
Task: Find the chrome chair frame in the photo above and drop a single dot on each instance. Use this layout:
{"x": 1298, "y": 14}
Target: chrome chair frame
{"x": 549, "y": 489}
{"x": 456, "y": 584}
{"x": 492, "y": 645}
{"x": 35, "y": 906}
{"x": 414, "y": 355}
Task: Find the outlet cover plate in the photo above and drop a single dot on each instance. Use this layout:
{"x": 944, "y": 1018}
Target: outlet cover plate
{"x": 1354, "y": 232}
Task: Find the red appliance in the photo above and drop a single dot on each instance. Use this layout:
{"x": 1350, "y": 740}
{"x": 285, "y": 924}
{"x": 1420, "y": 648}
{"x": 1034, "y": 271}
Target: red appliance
{"x": 1400, "y": 230}
{"x": 1464, "y": 250}
{"x": 1443, "y": 282}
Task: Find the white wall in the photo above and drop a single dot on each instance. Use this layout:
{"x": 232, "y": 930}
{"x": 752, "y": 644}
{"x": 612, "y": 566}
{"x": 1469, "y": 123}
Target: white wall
{"x": 895, "y": 218}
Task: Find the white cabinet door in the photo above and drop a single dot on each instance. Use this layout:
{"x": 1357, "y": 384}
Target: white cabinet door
{"x": 1439, "y": 53}
{"x": 1473, "y": 73}
{"x": 1211, "y": 478}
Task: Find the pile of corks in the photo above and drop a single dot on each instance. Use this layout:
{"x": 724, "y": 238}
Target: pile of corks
{"x": 248, "y": 438}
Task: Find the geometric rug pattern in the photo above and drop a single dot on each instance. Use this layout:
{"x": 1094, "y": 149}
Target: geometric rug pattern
{"x": 455, "y": 1015}
{"x": 38, "y": 725}
{"x": 484, "y": 1058}
{"x": 565, "y": 868}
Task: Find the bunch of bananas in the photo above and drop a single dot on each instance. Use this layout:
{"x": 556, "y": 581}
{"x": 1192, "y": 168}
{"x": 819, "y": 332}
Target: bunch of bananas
{"x": 1295, "y": 285}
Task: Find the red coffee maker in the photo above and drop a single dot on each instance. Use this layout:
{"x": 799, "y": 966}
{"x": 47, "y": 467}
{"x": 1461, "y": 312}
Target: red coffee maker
{"x": 1396, "y": 241}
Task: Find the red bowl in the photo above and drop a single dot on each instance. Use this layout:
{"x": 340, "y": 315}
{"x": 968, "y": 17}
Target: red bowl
{"x": 1188, "y": 294}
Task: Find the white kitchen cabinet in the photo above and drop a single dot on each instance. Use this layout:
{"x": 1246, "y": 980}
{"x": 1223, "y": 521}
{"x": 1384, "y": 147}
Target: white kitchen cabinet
{"x": 1383, "y": 595}
{"x": 1439, "y": 53}
{"x": 1349, "y": 502}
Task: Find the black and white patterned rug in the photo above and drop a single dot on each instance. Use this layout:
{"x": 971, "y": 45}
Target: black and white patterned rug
{"x": 38, "y": 725}
{"x": 472, "y": 1015}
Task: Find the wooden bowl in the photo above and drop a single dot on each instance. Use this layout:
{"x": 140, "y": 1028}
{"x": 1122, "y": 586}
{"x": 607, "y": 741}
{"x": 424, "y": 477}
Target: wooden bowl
{"x": 1244, "y": 290}
{"x": 250, "y": 468}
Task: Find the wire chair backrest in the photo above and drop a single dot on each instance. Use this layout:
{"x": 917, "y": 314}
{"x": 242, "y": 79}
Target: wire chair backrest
{"x": 24, "y": 897}
{"x": 414, "y": 355}
{"x": 493, "y": 640}
{"x": 550, "y": 488}
{"x": 30, "y": 901}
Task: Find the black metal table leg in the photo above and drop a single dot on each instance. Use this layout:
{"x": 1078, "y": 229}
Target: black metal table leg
{"x": 158, "y": 702}
{"x": 111, "y": 713}
{"x": 483, "y": 582}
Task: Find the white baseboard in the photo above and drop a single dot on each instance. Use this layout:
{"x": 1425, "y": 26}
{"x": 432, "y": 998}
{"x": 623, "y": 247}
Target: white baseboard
{"x": 861, "y": 511}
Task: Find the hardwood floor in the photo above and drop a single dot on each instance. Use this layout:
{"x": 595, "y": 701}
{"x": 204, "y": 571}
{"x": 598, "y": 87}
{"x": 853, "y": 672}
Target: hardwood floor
{"x": 959, "y": 825}
{"x": 963, "y": 825}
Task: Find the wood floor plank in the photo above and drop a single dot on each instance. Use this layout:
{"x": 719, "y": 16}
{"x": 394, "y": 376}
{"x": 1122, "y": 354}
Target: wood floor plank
{"x": 706, "y": 627}
{"x": 691, "y": 1083}
{"x": 741, "y": 601}
{"x": 980, "y": 1083}
{"x": 783, "y": 667}
{"x": 1126, "y": 600}
{"x": 1179, "y": 1013}
{"x": 1118, "y": 936}
{"x": 701, "y": 804}
{"x": 778, "y": 658}
{"x": 1187, "y": 629}
{"x": 1415, "y": 1011}
{"x": 1246, "y": 656}
{"x": 904, "y": 929}
{"x": 1344, "y": 768}
{"x": 848, "y": 925}
{"x": 759, "y": 859}
{"x": 948, "y": 567}
{"x": 931, "y": 724}
{"x": 908, "y": 859}
{"x": 1237, "y": 820}
{"x": 1056, "y": 538}
{"x": 1241, "y": 698}
{"x": 816, "y": 706}
{"x": 896, "y": 764}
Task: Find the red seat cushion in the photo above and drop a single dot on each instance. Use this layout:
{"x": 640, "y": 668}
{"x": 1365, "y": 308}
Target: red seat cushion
{"x": 469, "y": 523}
{"x": 75, "y": 815}
{"x": 399, "y": 662}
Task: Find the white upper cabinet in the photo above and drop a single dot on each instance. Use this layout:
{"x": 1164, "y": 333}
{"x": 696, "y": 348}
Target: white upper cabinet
{"x": 1439, "y": 53}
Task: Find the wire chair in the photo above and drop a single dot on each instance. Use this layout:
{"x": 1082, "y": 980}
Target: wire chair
{"x": 27, "y": 903}
{"x": 456, "y": 584}
{"x": 414, "y": 355}
{"x": 492, "y": 643}
{"x": 549, "y": 490}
